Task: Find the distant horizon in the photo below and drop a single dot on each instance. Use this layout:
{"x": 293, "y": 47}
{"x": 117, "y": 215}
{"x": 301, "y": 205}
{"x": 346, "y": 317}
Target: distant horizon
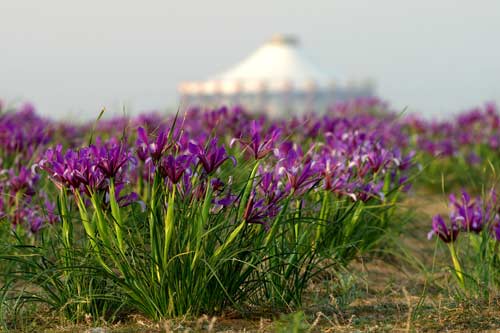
{"x": 110, "y": 113}
{"x": 72, "y": 59}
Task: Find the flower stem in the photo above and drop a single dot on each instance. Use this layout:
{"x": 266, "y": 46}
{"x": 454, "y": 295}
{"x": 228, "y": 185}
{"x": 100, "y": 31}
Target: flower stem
{"x": 456, "y": 265}
{"x": 169, "y": 225}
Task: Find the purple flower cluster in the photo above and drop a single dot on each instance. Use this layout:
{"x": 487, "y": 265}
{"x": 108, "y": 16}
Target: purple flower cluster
{"x": 20, "y": 203}
{"x": 357, "y": 150}
{"x": 257, "y": 145}
{"x": 21, "y": 133}
{"x": 210, "y": 157}
{"x": 90, "y": 169}
{"x": 468, "y": 215}
{"x": 179, "y": 158}
{"x": 458, "y": 136}
{"x": 349, "y": 158}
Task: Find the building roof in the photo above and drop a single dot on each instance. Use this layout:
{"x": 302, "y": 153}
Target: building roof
{"x": 277, "y": 65}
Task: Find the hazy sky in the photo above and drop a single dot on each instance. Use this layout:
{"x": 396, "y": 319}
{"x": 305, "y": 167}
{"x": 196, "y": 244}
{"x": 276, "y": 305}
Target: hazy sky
{"x": 71, "y": 58}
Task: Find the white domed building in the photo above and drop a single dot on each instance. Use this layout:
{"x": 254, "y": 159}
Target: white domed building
{"x": 276, "y": 79}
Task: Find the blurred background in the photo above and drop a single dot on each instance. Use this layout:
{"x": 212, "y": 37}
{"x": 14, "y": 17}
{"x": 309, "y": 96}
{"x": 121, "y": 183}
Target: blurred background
{"x": 73, "y": 58}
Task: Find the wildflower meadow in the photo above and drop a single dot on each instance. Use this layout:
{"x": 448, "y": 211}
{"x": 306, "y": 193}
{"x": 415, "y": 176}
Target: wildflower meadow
{"x": 224, "y": 213}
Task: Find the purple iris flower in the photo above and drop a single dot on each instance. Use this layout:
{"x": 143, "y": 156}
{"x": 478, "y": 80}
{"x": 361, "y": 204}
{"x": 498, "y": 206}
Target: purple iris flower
{"x": 407, "y": 161}
{"x": 173, "y": 167}
{"x": 258, "y": 146}
{"x": 22, "y": 132}
{"x": 370, "y": 190}
{"x": 24, "y": 181}
{"x": 439, "y": 228}
{"x": 335, "y": 176}
{"x": 378, "y": 159}
{"x": 284, "y": 148}
{"x": 86, "y": 170}
{"x": 217, "y": 185}
{"x": 446, "y": 147}
{"x": 494, "y": 141}
{"x": 153, "y": 149}
{"x": 80, "y": 171}
{"x": 50, "y": 212}
{"x": 227, "y": 200}
{"x": 211, "y": 157}
{"x": 271, "y": 187}
{"x": 469, "y": 212}
{"x": 258, "y": 212}
{"x": 110, "y": 160}
{"x": 496, "y": 230}
{"x": 36, "y": 222}
{"x": 301, "y": 177}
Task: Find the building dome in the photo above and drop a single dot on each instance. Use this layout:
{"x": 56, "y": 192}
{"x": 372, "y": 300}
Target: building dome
{"x": 276, "y": 76}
